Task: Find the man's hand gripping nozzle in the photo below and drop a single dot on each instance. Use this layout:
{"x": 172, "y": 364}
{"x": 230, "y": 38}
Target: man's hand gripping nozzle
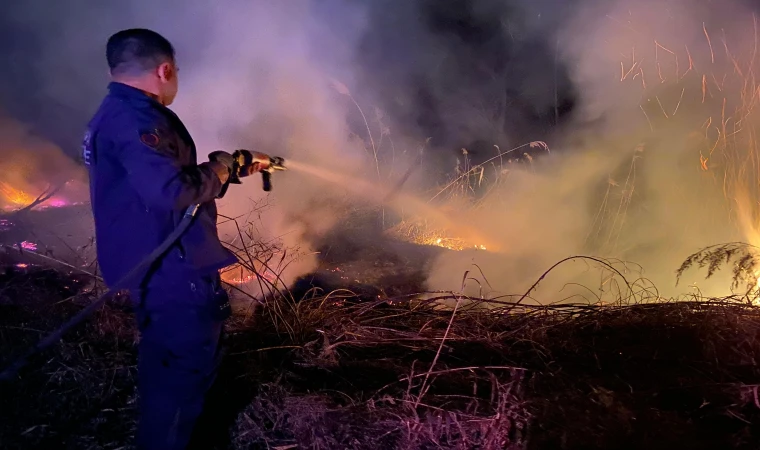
{"x": 248, "y": 162}
{"x": 243, "y": 163}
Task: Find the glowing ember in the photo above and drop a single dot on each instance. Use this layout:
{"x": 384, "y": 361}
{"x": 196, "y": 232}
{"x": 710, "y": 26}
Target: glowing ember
{"x": 455, "y": 244}
{"x": 242, "y": 276}
{"x": 22, "y": 266}
{"x": 239, "y": 280}
{"x": 26, "y": 245}
{"x": 421, "y": 234}
{"x": 449, "y": 243}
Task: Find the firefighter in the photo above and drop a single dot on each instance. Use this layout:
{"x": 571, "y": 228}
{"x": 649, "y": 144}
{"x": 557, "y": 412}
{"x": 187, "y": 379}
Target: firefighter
{"x": 143, "y": 175}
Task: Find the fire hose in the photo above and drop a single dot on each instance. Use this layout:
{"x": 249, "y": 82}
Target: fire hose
{"x": 9, "y": 373}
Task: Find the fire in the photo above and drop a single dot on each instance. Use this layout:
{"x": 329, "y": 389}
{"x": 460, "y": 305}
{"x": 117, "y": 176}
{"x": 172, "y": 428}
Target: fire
{"x": 238, "y": 279}
{"x": 16, "y": 197}
{"x": 33, "y": 168}
{"x": 423, "y": 234}
{"x": 236, "y": 276}
{"x": 455, "y": 244}
{"x": 12, "y": 198}
{"x": 241, "y": 275}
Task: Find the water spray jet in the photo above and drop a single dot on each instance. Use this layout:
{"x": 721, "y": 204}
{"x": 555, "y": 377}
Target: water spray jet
{"x": 397, "y": 201}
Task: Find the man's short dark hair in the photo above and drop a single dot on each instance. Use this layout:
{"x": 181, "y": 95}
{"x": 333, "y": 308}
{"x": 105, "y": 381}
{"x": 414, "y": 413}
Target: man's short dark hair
{"x": 136, "y": 51}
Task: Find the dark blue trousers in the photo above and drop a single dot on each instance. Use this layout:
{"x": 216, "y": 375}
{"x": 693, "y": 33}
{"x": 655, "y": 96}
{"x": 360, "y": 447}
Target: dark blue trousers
{"x": 181, "y": 325}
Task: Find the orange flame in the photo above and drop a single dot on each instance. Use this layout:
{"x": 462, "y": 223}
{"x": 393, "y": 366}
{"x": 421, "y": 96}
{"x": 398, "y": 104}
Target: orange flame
{"x": 242, "y": 275}
{"x": 13, "y": 196}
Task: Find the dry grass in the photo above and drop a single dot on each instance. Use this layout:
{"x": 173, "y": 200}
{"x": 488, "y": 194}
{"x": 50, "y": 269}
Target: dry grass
{"x": 741, "y": 257}
{"x": 634, "y": 376}
{"x": 337, "y": 371}
{"x": 422, "y": 233}
{"x": 78, "y": 394}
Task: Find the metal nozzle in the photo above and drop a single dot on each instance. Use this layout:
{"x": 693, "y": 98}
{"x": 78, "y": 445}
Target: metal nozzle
{"x": 277, "y": 163}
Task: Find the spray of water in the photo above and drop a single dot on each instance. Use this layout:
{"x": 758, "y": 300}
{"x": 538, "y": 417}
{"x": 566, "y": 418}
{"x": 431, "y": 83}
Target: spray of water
{"x": 399, "y": 201}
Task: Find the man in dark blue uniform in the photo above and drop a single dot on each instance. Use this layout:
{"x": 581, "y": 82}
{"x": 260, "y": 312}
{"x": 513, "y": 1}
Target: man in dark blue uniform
{"x": 143, "y": 175}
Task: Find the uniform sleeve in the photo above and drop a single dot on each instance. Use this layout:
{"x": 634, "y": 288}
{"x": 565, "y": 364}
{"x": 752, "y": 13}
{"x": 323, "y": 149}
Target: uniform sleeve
{"x": 157, "y": 176}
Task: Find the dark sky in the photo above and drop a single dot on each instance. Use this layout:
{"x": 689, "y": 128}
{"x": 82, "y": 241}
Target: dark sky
{"x": 57, "y": 73}
{"x": 456, "y": 71}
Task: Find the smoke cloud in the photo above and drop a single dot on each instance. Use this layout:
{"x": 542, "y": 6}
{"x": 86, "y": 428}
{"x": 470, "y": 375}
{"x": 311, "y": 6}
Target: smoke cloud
{"x": 614, "y": 88}
{"x": 253, "y": 75}
{"x": 646, "y": 172}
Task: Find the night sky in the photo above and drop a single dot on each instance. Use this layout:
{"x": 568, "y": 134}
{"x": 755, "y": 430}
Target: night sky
{"x": 427, "y": 64}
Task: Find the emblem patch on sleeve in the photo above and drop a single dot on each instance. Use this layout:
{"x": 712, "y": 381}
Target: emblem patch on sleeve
{"x": 150, "y": 139}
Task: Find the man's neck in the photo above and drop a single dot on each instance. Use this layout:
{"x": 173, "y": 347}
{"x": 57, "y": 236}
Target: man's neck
{"x": 139, "y": 84}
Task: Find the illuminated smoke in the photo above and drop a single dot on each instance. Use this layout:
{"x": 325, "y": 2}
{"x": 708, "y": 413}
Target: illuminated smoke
{"x": 630, "y": 173}
{"x": 663, "y": 145}
{"x": 32, "y": 167}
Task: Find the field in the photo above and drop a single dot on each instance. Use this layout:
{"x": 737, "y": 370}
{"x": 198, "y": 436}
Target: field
{"x": 361, "y": 352}
{"x": 380, "y": 370}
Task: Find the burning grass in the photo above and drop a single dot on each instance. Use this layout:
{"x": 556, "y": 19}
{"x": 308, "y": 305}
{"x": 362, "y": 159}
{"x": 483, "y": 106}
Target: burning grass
{"x": 422, "y": 233}
{"x": 338, "y": 371}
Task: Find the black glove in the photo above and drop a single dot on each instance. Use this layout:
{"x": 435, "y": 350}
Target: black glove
{"x": 242, "y": 163}
{"x": 229, "y": 162}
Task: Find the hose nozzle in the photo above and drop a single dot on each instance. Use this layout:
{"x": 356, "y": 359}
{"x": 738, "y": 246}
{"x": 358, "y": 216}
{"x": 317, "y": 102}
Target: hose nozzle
{"x": 277, "y": 163}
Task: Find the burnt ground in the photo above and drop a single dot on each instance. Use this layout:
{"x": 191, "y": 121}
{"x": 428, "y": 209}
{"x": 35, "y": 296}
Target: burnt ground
{"x": 362, "y": 258}
{"x": 374, "y": 374}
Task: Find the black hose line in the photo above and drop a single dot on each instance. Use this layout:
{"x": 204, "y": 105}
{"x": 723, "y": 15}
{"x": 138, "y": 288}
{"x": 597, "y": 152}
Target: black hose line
{"x": 10, "y": 372}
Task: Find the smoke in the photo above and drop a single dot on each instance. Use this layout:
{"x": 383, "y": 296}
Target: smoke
{"x": 466, "y": 74}
{"x": 598, "y": 81}
{"x": 263, "y": 82}
{"x": 661, "y": 143}
{"x": 254, "y": 75}
{"x": 25, "y": 179}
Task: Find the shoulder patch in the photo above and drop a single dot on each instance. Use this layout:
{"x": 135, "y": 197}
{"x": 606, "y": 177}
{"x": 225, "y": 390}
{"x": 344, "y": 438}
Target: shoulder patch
{"x": 150, "y": 139}
{"x": 158, "y": 139}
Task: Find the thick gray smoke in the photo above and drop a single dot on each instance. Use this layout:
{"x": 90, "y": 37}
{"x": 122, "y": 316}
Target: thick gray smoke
{"x": 260, "y": 75}
{"x": 651, "y": 168}
{"x": 621, "y": 180}
{"x": 459, "y": 72}
{"x": 465, "y": 73}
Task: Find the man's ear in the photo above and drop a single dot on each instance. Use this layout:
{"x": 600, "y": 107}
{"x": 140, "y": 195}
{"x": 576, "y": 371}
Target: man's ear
{"x": 166, "y": 72}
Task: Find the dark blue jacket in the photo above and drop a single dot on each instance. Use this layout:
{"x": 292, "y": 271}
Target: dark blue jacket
{"x": 143, "y": 175}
